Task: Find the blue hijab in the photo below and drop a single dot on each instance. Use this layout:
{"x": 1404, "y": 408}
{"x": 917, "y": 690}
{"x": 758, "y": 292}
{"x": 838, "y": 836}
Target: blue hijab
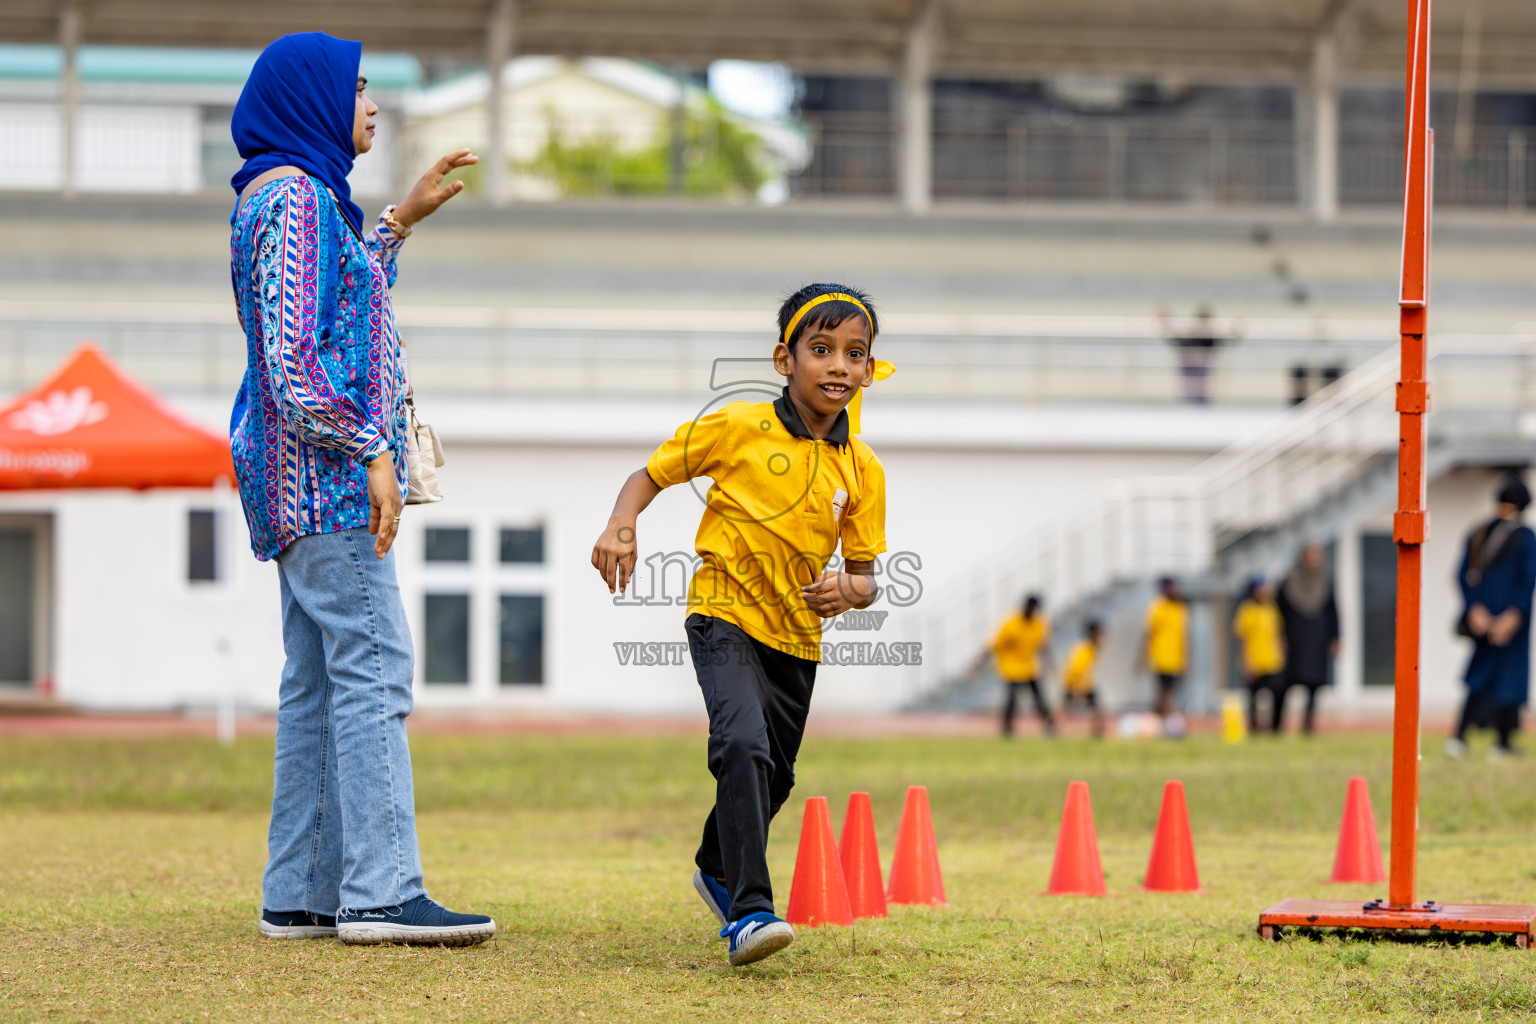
{"x": 297, "y": 108}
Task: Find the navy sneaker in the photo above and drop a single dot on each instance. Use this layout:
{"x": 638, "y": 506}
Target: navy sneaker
{"x": 417, "y": 922}
{"x": 296, "y": 924}
{"x": 714, "y": 895}
{"x": 756, "y": 936}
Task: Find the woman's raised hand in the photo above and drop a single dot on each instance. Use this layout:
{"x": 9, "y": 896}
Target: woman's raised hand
{"x": 430, "y": 192}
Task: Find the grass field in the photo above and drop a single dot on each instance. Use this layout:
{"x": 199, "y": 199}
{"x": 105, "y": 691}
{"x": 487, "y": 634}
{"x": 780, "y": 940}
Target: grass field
{"x": 130, "y": 885}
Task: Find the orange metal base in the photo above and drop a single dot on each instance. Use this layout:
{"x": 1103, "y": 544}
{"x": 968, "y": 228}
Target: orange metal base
{"x": 1516, "y": 920}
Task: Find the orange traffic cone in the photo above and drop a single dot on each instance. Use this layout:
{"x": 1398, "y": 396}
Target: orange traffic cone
{"x": 1358, "y": 858}
{"x": 818, "y": 896}
{"x": 915, "y": 876}
{"x": 1171, "y": 868}
{"x": 861, "y": 859}
{"x": 1077, "y": 870}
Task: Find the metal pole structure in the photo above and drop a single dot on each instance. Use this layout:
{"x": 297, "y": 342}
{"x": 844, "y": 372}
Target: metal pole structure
{"x": 1399, "y": 913}
{"x": 1409, "y": 526}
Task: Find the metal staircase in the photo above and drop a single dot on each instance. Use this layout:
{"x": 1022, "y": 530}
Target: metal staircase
{"x": 1246, "y": 510}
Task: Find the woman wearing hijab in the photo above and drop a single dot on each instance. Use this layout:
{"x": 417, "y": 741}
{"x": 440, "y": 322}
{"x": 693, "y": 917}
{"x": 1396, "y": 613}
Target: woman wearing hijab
{"x": 318, "y": 435}
{"x": 1311, "y": 618}
{"x": 1497, "y": 577}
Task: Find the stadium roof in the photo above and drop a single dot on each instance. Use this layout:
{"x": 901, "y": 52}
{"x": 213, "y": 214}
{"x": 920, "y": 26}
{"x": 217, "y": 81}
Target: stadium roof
{"x": 1193, "y": 38}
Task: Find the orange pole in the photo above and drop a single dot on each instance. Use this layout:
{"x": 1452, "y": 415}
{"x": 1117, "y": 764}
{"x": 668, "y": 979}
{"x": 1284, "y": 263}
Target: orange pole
{"x": 1410, "y": 525}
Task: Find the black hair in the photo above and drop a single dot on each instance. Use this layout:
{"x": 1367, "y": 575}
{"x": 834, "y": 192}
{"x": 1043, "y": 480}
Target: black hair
{"x": 828, "y": 314}
{"x": 1031, "y": 605}
{"x": 1094, "y": 626}
{"x": 1514, "y": 492}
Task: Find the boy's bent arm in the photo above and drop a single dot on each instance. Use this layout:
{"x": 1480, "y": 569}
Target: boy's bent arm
{"x": 833, "y": 593}
{"x": 613, "y": 556}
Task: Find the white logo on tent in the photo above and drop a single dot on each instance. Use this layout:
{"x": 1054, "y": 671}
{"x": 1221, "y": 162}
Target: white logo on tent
{"x": 59, "y": 412}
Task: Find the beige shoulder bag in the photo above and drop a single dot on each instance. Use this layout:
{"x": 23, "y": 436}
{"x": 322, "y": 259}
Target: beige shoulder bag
{"x": 423, "y": 452}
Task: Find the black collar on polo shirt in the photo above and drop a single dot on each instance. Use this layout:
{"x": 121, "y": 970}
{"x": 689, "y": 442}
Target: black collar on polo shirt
{"x": 784, "y": 406}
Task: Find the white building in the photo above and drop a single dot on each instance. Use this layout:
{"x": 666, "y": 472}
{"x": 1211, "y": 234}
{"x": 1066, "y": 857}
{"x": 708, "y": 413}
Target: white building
{"x": 154, "y": 120}
{"x": 627, "y": 103}
{"x": 553, "y": 346}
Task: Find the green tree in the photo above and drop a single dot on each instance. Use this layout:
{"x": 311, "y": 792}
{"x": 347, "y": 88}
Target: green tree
{"x": 722, "y": 160}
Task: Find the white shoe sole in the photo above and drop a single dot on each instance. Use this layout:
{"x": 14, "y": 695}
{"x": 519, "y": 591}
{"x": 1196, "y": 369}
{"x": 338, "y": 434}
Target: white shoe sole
{"x": 763, "y": 943}
{"x": 702, "y": 889}
{"x": 386, "y": 933}
{"x": 297, "y": 931}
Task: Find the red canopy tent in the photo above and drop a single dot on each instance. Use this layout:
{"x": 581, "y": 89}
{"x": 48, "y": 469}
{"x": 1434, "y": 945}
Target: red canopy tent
{"x": 89, "y": 425}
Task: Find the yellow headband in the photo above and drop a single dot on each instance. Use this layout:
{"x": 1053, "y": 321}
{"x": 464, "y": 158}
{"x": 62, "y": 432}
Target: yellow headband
{"x": 882, "y": 369}
{"x": 794, "y": 321}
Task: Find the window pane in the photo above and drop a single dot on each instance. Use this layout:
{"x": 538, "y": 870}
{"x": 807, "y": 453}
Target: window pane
{"x": 447, "y": 543}
{"x": 202, "y": 547}
{"x": 447, "y": 638}
{"x": 518, "y": 546}
{"x": 16, "y": 605}
{"x": 1378, "y": 606}
{"x": 522, "y": 639}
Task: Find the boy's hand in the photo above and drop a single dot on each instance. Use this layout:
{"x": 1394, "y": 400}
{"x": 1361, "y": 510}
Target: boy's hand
{"x": 835, "y": 592}
{"x": 613, "y": 555}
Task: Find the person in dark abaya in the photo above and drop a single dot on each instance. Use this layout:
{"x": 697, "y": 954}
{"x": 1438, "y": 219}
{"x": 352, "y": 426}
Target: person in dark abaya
{"x": 1497, "y": 576}
{"x": 1311, "y": 622}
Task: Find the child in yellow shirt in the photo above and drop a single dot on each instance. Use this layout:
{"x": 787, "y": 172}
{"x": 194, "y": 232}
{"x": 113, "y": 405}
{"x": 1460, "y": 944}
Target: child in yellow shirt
{"x": 1079, "y": 681}
{"x": 791, "y": 485}
{"x": 1022, "y": 650}
{"x": 1258, "y": 627}
{"x": 1166, "y": 646}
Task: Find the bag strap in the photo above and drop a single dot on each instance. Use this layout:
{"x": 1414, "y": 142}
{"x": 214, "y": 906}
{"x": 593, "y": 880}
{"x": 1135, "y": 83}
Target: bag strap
{"x": 286, "y": 171}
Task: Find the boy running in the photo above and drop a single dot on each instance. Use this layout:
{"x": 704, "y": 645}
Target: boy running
{"x": 790, "y": 483}
{"x": 1079, "y": 680}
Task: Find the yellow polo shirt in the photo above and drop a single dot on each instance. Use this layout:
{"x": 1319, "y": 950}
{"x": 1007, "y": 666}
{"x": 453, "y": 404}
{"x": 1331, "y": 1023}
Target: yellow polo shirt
{"x": 1017, "y": 643}
{"x": 1258, "y": 627}
{"x": 1080, "y": 667}
{"x": 780, "y": 505}
{"x": 1167, "y": 636}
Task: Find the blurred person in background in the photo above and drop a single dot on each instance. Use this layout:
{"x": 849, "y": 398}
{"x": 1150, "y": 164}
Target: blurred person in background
{"x": 1497, "y": 576}
{"x": 1196, "y": 344}
{"x": 1022, "y": 652}
{"x": 1311, "y": 619}
{"x": 319, "y": 441}
{"x": 1079, "y": 680}
{"x": 1165, "y": 647}
{"x": 1257, "y": 627}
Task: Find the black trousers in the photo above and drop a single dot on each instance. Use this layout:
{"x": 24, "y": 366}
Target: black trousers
{"x": 1480, "y": 711}
{"x": 1011, "y": 704}
{"x": 1276, "y": 689}
{"x": 1309, "y": 715}
{"x": 758, "y": 699}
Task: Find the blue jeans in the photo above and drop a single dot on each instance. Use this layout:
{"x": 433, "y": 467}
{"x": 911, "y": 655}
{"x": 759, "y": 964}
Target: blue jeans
{"x": 343, "y": 832}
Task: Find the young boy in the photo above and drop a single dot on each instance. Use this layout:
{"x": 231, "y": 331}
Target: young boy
{"x": 1165, "y": 648}
{"x": 789, "y": 484}
{"x": 1078, "y": 682}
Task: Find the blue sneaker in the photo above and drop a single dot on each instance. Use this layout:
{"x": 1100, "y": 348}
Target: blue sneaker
{"x": 714, "y": 895}
{"x": 756, "y": 936}
{"x": 417, "y": 922}
{"x": 296, "y": 924}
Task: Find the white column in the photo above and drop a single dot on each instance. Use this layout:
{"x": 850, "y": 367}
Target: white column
{"x": 1347, "y": 582}
{"x": 1466, "y": 88}
{"x": 915, "y": 108}
{"x": 69, "y": 93}
{"x": 1325, "y": 128}
{"x": 499, "y": 39}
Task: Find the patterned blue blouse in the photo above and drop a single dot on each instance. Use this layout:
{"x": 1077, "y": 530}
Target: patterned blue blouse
{"x": 324, "y": 389}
